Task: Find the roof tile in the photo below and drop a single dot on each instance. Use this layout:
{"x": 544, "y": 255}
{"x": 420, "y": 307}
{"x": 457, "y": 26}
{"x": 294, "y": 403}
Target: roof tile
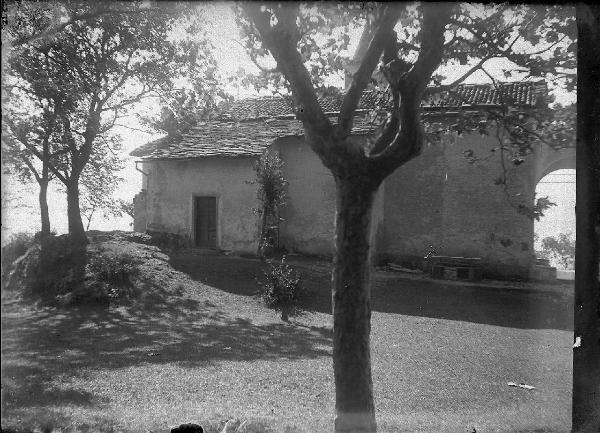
{"x": 250, "y": 125}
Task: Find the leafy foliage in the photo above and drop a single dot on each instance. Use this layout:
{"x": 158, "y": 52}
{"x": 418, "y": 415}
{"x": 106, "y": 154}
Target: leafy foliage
{"x": 17, "y": 245}
{"x": 324, "y": 41}
{"x": 65, "y": 274}
{"x": 113, "y": 276}
{"x": 535, "y": 212}
{"x": 282, "y": 288}
{"x": 99, "y": 181}
{"x": 538, "y": 42}
{"x": 75, "y": 85}
{"x": 400, "y": 52}
{"x": 272, "y": 196}
{"x": 127, "y": 208}
{"x": 50, "y": 273}
{"x": 184, "y": 108}
{"x": 559, "y": 250}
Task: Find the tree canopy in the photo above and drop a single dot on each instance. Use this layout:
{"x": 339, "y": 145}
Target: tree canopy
{"x": 402, "y": 52}
{"x": 78, "y": 68}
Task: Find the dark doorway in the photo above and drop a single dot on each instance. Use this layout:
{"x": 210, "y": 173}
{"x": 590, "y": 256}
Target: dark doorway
{"x": 206, "y": 221}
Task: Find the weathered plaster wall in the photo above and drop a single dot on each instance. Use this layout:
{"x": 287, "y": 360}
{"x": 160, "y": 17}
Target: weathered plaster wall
{"x": 309, "y": 215}
{"x": 413, "y": 205}
{"x": 140, "y": 217}
{"x": 439, "y": 199}
{"x": 172, "y": 185}
{"x": 308, "y": 224}
{"x": 549, "y": 159}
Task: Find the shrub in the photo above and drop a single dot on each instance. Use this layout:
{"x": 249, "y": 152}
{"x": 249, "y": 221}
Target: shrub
{"x": 56, "y": 270}
{"x": 111, "y": 278}
{"x": 114, "y": 269}
{"x": 47, "y": 273}
{"x": 271, "y": 194}
{"x": 559, "y": 250}
{"x": 68, "y": 274}
{"x": 282, "y": 289}
{"x": 17, "y": 245}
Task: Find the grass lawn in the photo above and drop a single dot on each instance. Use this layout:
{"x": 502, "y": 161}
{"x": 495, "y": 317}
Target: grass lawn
{"x": 202, "y": 349}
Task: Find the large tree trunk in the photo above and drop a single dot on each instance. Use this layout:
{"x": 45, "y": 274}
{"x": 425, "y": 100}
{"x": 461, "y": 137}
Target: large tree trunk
{"x": 355, "y": 410}
{"x": 43, "y": 199}
{"x": 76, "y": 230}
{"x": 586, "y": 351}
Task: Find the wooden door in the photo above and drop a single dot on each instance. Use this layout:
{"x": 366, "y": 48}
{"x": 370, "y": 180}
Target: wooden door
{"x": 206, "y": 222}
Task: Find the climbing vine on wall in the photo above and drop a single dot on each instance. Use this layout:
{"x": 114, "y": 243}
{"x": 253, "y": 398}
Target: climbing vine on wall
{"x": 272, "y": 197}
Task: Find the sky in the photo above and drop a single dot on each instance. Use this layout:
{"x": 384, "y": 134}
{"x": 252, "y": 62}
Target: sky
{"x": 559, "y": 186}
{"x": 19, "y": 202}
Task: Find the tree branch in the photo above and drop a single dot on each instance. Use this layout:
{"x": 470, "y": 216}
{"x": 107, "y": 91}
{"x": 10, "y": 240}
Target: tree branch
{"x": 126, "y": 75}
{"x": 382, "y": 36}
{"x": 459, "y": 80}
{"x": 391, "y": 128}
{"x": 435, "y": 19}
{"x": 52, "y": 30}
{"x": 407, "y": 143}
{"x": 31, "y": 168}
{"x": 281, "y": 42}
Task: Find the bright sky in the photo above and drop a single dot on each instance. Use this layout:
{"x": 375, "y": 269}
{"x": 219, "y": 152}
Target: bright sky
{"x": 559, "y": 186}
{"x": 19, "y": 202}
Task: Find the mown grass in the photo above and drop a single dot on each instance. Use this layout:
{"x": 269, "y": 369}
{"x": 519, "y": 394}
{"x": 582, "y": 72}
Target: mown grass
{"x": 198, "y": 346}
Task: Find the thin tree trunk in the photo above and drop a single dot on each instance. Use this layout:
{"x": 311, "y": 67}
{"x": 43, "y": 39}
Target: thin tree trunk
{"x": 76, "y": 230}
{"x": 586, "y": 351}
{"x": 355, "y": 410}
{"x": 45, "y": 216}
{"x": 89, "y": 218}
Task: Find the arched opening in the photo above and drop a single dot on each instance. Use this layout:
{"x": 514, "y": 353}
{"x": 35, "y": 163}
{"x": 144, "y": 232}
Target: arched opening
{"x": 555, "y": 232}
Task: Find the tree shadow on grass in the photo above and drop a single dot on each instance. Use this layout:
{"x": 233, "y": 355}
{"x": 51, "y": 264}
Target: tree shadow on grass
{"x": 28, "y": 386}
{"x": 40, "y": 346}
{"x": 412, "y": 297}
{"x": 512, "y": 308}
{"x": 232, "y": 274}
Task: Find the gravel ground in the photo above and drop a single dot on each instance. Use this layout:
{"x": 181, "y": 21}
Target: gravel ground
{"x": 200, "y": 348}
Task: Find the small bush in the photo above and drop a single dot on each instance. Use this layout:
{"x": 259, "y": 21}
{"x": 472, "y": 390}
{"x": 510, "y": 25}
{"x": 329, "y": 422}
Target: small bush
{"x": 282, "y": 289}
{"x": 58, "y": 268}
{"x": 114, "y": 269}
{"x": 67, "y": 274}
{"x": 17, "y": 245}
{"x": 559, "y": 250}
{"x": 111, "y": 278}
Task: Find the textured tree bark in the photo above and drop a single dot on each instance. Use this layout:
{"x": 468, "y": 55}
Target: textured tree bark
{"x": 76, "y": 230}
{"x": 357, "y": 176}
{"x": 355, "y": 410}
{"x": 586, "y": 351}
{"x": 45, "y": 216}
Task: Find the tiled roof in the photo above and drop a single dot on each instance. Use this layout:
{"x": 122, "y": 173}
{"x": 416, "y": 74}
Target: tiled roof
{"x": 229, "y": 138}
{"x": 250, "y": 125}
{"x": 527, "y": 94}
{"x": 221, "y": 138}
{"x": 277, "y": 106}
{"x": 522, "y": 94}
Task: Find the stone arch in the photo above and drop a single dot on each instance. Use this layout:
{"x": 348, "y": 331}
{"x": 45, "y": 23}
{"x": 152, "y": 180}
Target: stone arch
{"x": 549, "y": 160}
